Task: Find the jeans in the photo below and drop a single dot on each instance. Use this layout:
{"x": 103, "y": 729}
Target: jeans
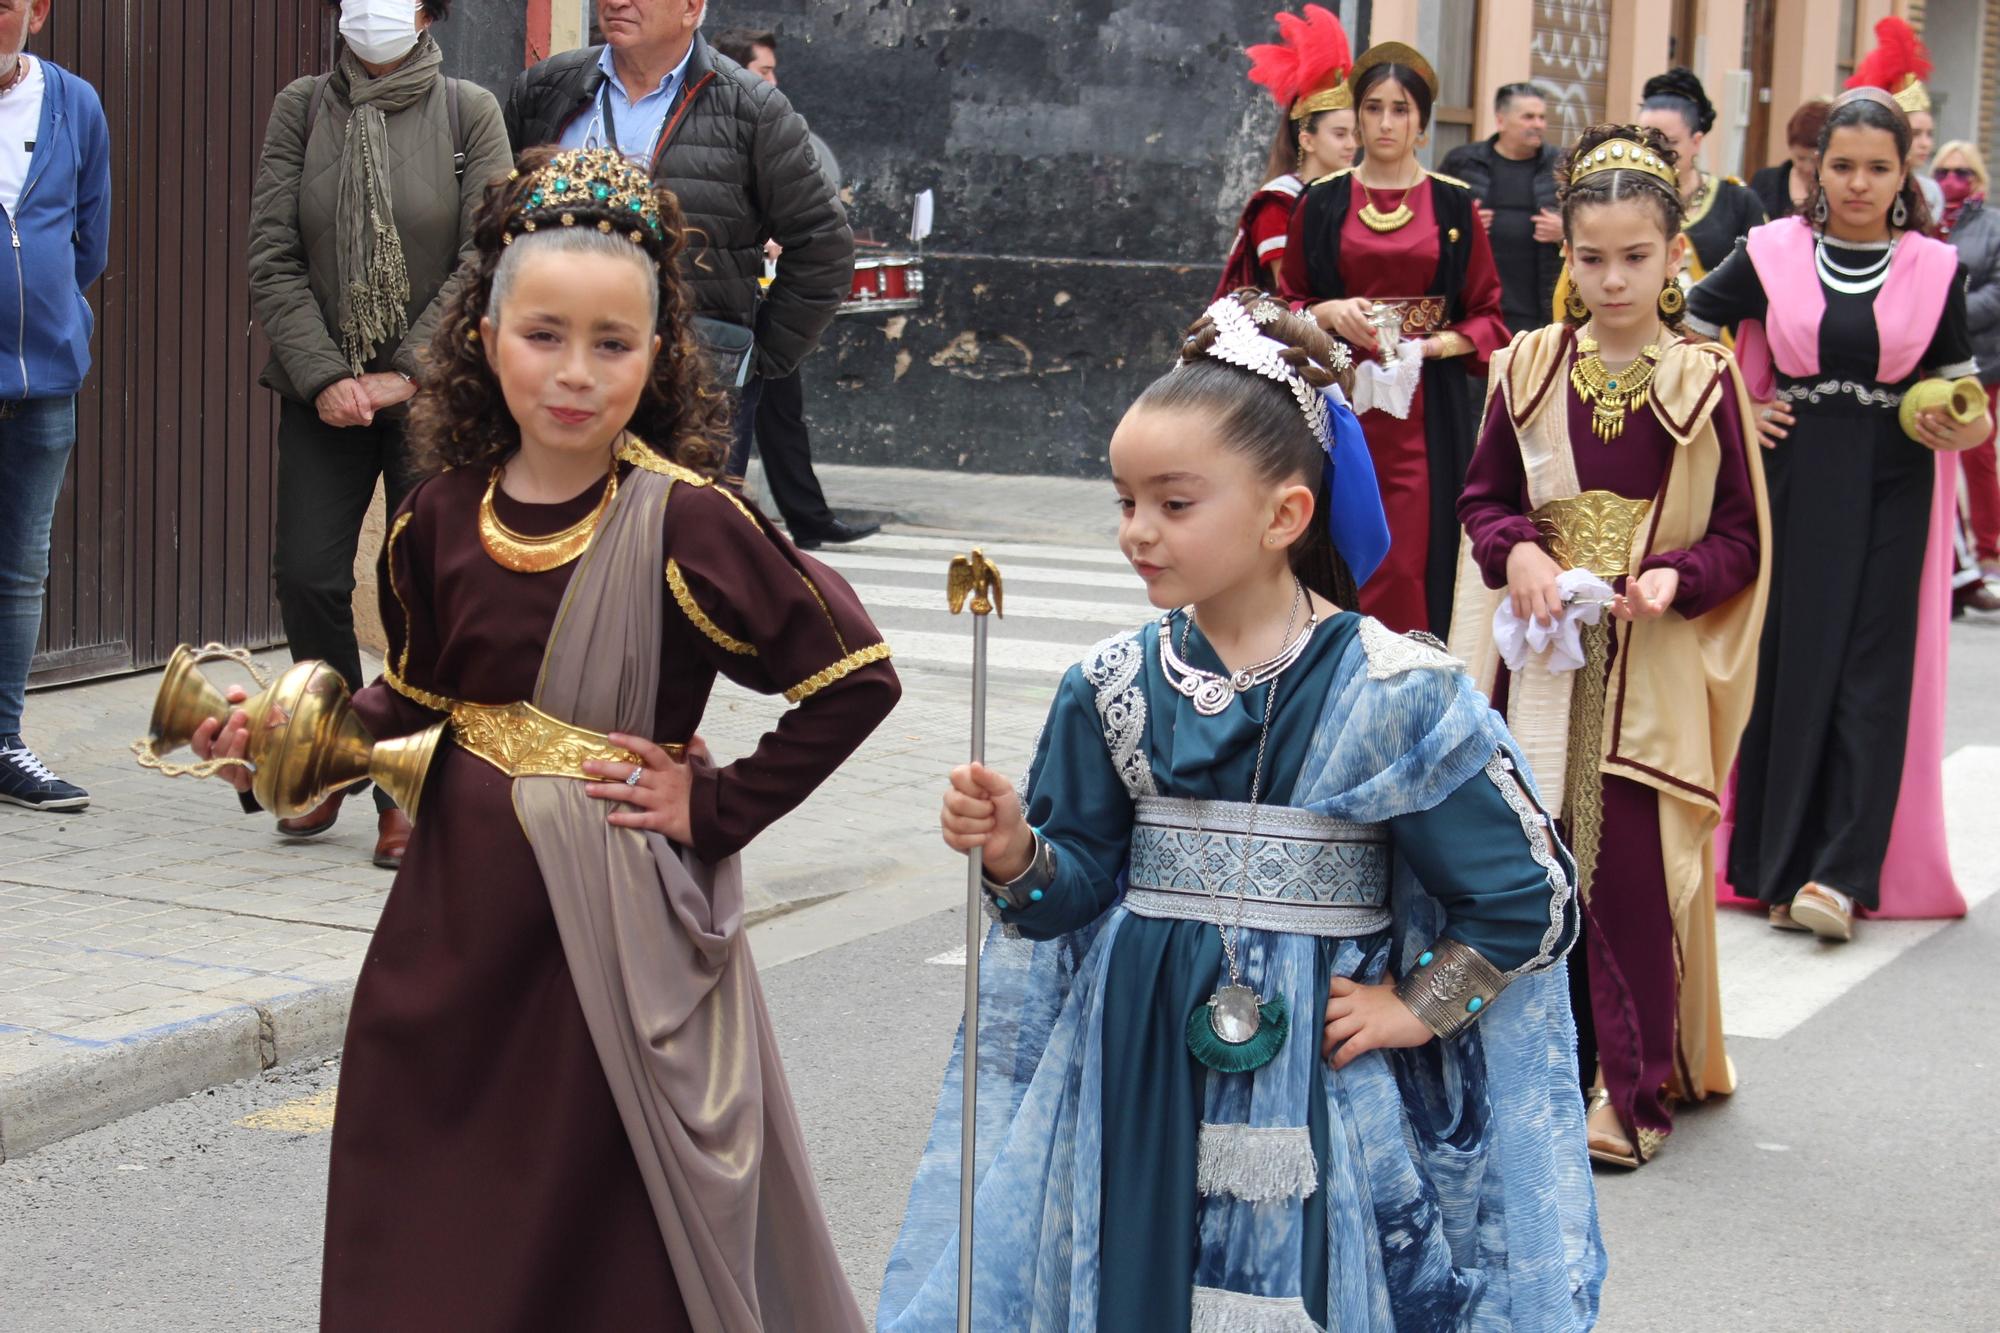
{"x": 745, "y": 427}
{"x": 326, "y": 477}
{"x": 36, "y": 437}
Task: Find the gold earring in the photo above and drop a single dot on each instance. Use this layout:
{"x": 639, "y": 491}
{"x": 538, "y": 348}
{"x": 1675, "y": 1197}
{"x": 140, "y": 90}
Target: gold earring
{"x": 1574, "y": 307}
{"x": 1672, "y": 300}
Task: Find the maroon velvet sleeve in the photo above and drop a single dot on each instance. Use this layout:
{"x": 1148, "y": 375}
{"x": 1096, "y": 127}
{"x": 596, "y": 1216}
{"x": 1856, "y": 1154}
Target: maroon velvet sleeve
{"x": 1724, "y": 561}
{"x": 404, "y": 600}
{"x": 1482, "y": 323}
{"x": 1490, "y": 507}
{"x": 1293, "y": 284}
{"x": 777, "y": 622}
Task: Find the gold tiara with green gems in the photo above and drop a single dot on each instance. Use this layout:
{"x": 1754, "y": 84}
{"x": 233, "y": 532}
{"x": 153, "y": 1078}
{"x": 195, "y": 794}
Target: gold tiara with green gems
{"x": 1623, "y": 155}
{"x": 588, "y": 187}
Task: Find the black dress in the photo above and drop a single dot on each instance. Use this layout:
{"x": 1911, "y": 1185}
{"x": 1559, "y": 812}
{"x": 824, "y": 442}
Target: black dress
{"x": 1822, "y": 757}
{"x": 1718, "y": 220}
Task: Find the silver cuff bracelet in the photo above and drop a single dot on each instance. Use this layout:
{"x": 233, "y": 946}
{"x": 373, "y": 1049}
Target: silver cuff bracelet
{"x": 1451, "y": 987}
{"x": 1028, "y": 886}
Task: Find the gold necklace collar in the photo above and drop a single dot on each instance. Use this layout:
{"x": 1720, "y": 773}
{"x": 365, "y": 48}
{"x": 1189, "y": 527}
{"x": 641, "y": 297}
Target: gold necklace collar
{"x": 537, "y": 555}
{"x": 1374, "y": 218}
{"x": 1612, "y": 393}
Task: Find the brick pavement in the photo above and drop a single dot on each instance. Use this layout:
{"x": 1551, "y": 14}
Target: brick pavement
{"x": 161, "y": 941}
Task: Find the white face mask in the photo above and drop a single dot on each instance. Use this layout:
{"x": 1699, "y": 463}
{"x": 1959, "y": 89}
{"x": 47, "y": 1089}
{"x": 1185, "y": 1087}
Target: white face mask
{"x": 380, "y": 32}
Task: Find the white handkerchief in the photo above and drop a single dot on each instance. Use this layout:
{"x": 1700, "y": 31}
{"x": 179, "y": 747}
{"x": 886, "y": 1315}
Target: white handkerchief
{"x": 1558, "y": 646}
{"x": 1389, "y": 389}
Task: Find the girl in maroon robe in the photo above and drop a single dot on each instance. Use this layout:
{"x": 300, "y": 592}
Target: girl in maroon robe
{"x": 560, "y": 1102}
{"x": 1614, "y": 447}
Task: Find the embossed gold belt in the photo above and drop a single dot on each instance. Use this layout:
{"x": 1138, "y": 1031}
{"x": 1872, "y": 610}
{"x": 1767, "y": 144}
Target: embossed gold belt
{"x": 1421, "y": 314}
{"x": 522, "y": 741}
{"x": 1592, "y": 531}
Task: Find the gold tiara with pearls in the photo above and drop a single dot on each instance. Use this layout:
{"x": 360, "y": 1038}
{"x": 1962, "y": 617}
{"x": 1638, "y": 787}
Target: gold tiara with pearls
{"x": 1623, "y": 155}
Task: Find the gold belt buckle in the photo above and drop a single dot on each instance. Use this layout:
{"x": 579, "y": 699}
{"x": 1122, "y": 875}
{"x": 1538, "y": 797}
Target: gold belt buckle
{"x": 522, "y": 741}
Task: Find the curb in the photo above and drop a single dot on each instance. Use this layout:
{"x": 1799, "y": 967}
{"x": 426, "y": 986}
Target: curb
{"x": 100, "y": 1084}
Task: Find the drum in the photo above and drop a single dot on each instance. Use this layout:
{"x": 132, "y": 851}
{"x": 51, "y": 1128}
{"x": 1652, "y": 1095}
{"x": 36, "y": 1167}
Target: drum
{"x": 887, "y": 284}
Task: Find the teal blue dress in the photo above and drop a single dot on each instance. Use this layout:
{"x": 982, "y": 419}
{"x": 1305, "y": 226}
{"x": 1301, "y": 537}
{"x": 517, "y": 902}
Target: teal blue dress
{"x": 1468, "y": 851}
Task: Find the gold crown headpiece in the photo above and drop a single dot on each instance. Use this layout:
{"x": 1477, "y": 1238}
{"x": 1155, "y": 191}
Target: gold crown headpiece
{"x": 1623, "y": 155}
{"x": 1913, "y": 97}
{"x": 589, "y": 187}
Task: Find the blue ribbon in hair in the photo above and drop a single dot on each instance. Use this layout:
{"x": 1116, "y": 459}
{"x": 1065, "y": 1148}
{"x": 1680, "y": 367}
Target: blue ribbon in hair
{"x": 1354, "y": 516}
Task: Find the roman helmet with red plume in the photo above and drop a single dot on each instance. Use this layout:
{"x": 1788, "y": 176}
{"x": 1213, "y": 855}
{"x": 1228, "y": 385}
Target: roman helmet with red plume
{"x": 1307, "y": 71}
{"x": 1898, "y": 65}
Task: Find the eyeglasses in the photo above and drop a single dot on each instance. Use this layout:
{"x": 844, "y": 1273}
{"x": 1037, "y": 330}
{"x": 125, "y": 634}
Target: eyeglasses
{"x": 1961, "y": 173}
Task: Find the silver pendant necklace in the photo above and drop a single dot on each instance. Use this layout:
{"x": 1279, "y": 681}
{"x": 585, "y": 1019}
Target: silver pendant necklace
{"x": 1851, "y": 281}
{"x": 1210, "y": 691}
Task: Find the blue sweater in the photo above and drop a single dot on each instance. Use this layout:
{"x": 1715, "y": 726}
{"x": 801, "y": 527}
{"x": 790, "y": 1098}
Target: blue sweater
{"x": 60, "y": 235}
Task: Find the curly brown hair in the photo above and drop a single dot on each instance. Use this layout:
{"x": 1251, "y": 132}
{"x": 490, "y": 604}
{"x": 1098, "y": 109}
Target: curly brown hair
{"x": 1260, "y": 419}
{"x": 1618, "y": 185}
{"x": 460, "y": 417}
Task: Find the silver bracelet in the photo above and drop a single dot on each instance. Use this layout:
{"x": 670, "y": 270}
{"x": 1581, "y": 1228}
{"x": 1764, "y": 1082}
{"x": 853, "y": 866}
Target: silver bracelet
{"x": 1451, "y": 987}
{"x": 1028, "y": 886}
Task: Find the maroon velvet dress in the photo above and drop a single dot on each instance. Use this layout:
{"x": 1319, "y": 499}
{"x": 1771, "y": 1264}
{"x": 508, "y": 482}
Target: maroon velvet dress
{"x": 481, "y": 1176}
{"x": 1625, "y": 982}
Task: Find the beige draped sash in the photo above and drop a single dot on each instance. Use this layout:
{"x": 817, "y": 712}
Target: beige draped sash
{"x": 655, "y": 945}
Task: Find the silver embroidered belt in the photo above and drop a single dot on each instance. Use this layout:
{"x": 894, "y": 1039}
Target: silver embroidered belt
{"x": 1307, "y": 874}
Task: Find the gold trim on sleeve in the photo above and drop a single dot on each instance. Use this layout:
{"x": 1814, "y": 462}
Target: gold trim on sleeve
{"x": 845, "y": 667}
{"x": 690, "y": 608}
{"x": 639, "y": 456}
{"x": 402, "y": 662}
{"x": 417, "y": 694}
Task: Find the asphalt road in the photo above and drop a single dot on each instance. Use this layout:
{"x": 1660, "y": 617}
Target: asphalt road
{"x": 1850, "y": 1185}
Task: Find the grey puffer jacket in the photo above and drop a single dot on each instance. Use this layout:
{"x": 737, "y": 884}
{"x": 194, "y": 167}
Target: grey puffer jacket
{"x": 292, "y": 247}
{"x": 1977, "y": 237}
{"x": 741, "y": 162}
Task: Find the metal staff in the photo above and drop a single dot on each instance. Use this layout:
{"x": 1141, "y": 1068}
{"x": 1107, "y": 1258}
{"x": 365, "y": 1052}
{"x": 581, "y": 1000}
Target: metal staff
{"x": 976, "y": 576}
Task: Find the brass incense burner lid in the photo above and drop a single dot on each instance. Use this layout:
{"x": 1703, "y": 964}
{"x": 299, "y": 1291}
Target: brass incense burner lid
{"x": 306, "y": 743}
{"x": 1592, "y": 531}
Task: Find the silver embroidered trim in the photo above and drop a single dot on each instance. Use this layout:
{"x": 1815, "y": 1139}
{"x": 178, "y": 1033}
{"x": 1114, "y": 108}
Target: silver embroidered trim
{"x": 1275, "y": 869}
{"x": 1957, "y": 370}
{"x": 1391, "y": 654}
{"x": 1113, "y": 668}
{"x": 1868, "y": 395}
{"x": 1535, "y": 826}
{"x": 1324, "y": 920}
{"x": 1256, "y": 1163}
{"x": 1702, "y": 326}
{"x": 1219, "y": 1311}
{"x": 1187, "y": 812}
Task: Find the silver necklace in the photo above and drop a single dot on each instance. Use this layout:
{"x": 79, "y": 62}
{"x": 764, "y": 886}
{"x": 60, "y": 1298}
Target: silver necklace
{"x": 1210, "y": 691}
{"x": 1851, "y": 281}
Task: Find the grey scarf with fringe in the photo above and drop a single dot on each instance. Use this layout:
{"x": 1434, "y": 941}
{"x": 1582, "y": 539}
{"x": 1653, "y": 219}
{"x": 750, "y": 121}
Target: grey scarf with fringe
{"x": 373, "y": 281}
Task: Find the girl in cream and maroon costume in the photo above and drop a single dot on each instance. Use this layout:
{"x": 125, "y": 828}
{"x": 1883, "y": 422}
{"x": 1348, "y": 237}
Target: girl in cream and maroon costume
{"x": 1851, "y": 677}
{"x": 1307, "y": 74}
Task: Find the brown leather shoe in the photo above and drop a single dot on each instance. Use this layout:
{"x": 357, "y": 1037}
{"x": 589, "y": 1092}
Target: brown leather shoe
{"x": 314, "y": 822}
{"x": 392, "y": 837}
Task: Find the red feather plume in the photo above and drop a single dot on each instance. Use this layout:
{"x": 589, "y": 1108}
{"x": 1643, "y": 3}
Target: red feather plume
{"x": 1313, "y": 55}
{"x": 1899, "y": 56}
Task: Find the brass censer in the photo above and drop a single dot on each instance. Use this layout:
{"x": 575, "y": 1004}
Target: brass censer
{"x": 306, "y": 744}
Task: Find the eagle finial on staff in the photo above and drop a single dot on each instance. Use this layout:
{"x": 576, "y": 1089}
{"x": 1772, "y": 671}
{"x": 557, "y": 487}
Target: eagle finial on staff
{"x": 976, "y": 576}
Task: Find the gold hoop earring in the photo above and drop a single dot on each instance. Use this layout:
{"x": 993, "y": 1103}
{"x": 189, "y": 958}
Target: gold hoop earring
{"x": 1574, "y": 307}
{"x": 1673, "y": 301}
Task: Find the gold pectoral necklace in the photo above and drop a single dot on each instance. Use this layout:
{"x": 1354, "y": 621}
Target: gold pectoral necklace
{"x": 1612, "y": 393}
{"x": 537, "y": 555}
{"x": 1375, "y": 219}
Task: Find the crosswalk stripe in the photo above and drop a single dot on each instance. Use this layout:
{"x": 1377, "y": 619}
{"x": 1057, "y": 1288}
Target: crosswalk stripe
{"x": 1040, "y": 552}
{"x": 1003, "y": 654}
{"x": 1111, "y": 615}
{"x": 843, "y": 561}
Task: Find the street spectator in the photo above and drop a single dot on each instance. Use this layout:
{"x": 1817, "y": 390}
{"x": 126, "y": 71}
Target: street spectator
{"x": 1784, "y": 188}
{"x": 739, "y": 159}
{"x": 363, "y": 213}
{"x": 55, "y": 185}
{"x": 1975, "y": 231}
{"x": 783, "y": 440}
{"x": 1513, "y": 174}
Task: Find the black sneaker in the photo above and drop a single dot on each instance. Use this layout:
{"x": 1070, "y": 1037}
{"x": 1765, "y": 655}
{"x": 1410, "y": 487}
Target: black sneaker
{"x": 26, "y": 780}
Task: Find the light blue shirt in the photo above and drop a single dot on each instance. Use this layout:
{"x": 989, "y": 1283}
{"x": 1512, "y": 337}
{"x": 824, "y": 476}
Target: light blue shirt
{"x": 638, "y": 123}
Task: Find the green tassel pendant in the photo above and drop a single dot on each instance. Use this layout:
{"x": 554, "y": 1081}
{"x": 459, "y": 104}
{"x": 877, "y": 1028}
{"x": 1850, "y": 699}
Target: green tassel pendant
{"x": 1238, "y": 1057}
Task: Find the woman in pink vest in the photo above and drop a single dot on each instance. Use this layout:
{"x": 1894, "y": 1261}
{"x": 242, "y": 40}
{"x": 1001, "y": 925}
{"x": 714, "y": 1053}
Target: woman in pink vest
{"x": 1842, "y": 311}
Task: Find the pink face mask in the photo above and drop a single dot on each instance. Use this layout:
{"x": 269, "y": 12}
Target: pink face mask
{"x": 1956, "y": 189}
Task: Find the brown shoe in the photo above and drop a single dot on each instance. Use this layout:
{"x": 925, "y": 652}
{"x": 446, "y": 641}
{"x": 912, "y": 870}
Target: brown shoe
{"x": 392, "y": 837}
{"x": 314, "y": 822}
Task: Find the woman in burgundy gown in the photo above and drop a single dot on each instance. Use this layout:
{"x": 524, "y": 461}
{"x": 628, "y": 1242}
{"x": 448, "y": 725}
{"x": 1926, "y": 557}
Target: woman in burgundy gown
{"x": 1389, "y": 231}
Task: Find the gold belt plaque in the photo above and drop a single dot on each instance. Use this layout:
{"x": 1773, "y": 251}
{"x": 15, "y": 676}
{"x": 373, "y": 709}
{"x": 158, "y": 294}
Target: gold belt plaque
{"x": 1592, "y": 531}
{"x": 522, "y": 741}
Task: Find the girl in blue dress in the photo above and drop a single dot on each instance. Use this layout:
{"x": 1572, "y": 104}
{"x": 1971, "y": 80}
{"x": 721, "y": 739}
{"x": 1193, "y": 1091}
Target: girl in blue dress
{"x": 1279, "y": 1032}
